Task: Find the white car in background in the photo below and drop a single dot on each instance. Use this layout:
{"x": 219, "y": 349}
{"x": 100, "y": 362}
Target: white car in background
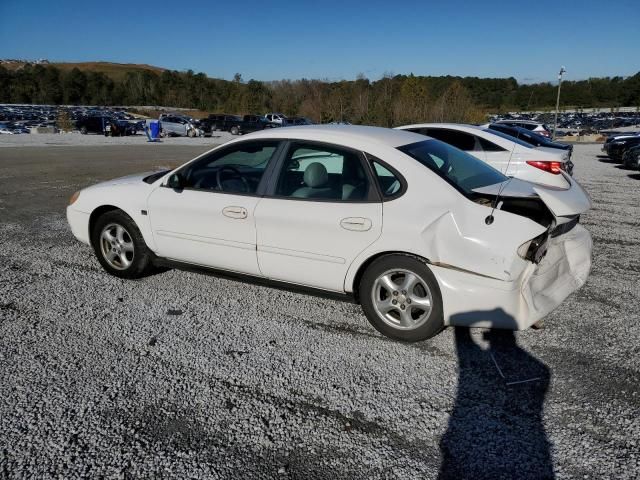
{"x": 179, "y": 125}
{"x": 409, "y": 227}
{"x": 277, "y": 118}
{"x": 513, "y": 157}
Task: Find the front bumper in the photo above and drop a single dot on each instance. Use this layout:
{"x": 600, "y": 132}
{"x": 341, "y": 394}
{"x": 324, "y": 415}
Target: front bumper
{"x": 79, "y": 223}
{"x": 475, "y": 301}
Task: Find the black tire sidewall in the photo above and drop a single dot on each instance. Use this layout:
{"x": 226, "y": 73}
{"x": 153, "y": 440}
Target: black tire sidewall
{"x": 435, "y": 322}
{"x": 142, "y": 255}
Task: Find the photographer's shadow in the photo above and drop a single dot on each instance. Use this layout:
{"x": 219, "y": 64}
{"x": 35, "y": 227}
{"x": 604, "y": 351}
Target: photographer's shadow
{"x": 495, "y": 429}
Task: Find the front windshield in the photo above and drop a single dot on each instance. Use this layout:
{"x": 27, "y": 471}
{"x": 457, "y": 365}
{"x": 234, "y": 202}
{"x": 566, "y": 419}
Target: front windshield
{"x": 458, "y": 168}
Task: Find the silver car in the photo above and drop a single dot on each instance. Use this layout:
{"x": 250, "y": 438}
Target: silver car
{"x": 171, "y": 125}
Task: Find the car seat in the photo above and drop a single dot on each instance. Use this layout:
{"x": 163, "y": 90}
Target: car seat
{"x": 316, "y": 181}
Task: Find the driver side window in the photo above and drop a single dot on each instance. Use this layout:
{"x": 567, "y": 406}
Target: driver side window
{"x": 237, "y": 169}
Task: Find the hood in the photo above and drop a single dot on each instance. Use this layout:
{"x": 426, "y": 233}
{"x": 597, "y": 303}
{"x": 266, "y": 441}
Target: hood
{"x": 135, "y": 178}
{"x": 623, "y": 136}
{"x": 560, "y": 202}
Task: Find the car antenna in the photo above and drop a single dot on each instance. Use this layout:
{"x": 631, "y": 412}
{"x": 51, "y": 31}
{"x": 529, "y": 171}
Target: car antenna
{"x": 490, "y": 218}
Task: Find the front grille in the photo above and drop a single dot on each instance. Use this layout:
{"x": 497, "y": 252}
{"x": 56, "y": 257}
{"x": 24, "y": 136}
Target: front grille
{"x": 565, "y": 227}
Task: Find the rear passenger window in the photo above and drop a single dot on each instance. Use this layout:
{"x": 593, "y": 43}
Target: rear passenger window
{"x": 390, "y": 184}
{"x": 488, "y": 146}
{"x": 461, "y": 140}
{"x": 318, "y": 172}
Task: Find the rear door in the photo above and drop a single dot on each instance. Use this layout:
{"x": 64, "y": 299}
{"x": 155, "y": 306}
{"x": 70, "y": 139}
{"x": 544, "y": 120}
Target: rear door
{"x": 321, "y": 212}
{"x": 168, "y": 124}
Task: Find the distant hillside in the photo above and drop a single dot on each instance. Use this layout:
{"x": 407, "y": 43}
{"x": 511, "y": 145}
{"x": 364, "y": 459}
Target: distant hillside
{"x": 388, "y": 101}
{"x": 115, "y": 71}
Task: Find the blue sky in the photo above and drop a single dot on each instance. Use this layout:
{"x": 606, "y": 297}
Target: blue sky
{"x": 271, "y": 40}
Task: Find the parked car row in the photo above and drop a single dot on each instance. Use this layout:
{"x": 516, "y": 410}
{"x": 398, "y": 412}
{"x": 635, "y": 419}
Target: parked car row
{"x": 584, "y": 122}
{"x": 624, "y": 149}
{"x": 12, "y": 128}
{"x": 22, "y": 118}
{"x": 234, "y": 124}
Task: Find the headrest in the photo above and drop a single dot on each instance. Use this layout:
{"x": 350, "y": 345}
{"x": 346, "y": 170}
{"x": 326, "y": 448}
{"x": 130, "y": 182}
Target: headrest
{"x": 315, "y": 175}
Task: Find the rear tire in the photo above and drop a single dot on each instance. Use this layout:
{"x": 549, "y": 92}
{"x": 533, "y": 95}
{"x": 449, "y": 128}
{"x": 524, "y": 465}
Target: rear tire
{"x": 401, "y": 298}
{"x": 83, "y": 130}
{"x": 119, "y": 246}
{"x": 234, "y": 131}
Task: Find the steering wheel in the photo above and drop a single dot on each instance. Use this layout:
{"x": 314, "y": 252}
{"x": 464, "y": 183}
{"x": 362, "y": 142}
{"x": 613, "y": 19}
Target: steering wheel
{"x": 236, "y": 173}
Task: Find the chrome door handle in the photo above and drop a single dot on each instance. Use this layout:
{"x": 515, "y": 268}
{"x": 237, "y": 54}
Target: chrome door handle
{"x": 357, "y": 224}
{"x": 235, "y": 212}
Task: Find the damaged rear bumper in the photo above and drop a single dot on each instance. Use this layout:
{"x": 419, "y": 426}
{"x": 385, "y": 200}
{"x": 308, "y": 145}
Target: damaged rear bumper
{"x": 475, "y": 301}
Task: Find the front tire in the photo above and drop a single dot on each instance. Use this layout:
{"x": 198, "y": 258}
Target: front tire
{"x": 119, "y": 246}
{"x": 401, "y": 298}
{"x": 234, "y": 131}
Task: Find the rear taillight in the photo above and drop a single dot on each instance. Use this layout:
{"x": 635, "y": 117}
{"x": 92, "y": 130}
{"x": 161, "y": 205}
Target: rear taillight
{"x": 544, "y": 133}
{"x": 547, "y": 166}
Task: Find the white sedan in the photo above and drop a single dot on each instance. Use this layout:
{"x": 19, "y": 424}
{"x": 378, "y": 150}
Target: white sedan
{"x": 421, "y": 234}
{"x": 510, "y": 155}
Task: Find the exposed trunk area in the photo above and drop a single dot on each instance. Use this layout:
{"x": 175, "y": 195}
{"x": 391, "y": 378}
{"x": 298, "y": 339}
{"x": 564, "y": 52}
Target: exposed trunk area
{"x": 532, "y": 207}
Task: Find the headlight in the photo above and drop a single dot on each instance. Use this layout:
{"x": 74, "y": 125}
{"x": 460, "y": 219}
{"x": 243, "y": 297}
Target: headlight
{"x": 74, "y": 197}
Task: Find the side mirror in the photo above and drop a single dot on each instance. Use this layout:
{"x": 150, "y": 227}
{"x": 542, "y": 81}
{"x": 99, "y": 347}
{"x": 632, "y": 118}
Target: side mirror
{"x": 176, "y": 181}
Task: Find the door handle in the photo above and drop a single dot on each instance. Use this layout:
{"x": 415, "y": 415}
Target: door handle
{"x": 357, "y": 224}
{"x": 235, "y": 212}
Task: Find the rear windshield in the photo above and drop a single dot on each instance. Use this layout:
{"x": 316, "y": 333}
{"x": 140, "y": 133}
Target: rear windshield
{"x": 519, "y": 133}
{"x": 458, "y": 168}
{"x": 511, "y": 138}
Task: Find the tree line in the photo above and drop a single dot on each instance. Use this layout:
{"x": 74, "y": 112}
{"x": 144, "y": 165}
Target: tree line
{"x": 391, "y": 100}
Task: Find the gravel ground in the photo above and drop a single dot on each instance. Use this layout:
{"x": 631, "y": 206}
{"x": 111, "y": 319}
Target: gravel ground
{"x": 190, "y": 376}
{"x": 77, "y": 139}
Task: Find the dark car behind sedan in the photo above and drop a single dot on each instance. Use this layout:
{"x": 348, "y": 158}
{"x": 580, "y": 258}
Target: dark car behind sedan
{"x": 530, "y": 137}
{"x": 219, "y": 122}
{"x": 296, "y": 121}
{"x": 618, "y": 146}
{"x": 104, "y": 124}
{"x": 631, "y": 158}
{"x": 250, "y": 123}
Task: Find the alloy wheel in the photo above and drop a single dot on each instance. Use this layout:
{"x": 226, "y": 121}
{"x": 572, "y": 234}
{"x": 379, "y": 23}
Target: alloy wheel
{"x": 402, "y": 299}
{"x": 117, "y": 246}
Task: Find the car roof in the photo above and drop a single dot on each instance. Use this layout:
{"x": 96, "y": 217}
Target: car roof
{"x": 342, "y": 133}
{"x": 479, "y": 130}
{"x": 515, "y": 120}
{"x": 516, "y": 128}
{"x": 456, "y": 126}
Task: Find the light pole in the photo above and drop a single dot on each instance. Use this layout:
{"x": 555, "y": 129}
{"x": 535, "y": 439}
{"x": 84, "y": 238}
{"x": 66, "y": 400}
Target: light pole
{"x": 555, "y": 121}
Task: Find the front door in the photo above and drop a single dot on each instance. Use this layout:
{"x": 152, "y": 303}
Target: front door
{"x": 210, "y": 220}
{"x": 323, "y": 212}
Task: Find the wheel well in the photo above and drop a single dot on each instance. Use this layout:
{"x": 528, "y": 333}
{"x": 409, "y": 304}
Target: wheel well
{"x": 97, "y": 213}
{"x": 369, "y": 261}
